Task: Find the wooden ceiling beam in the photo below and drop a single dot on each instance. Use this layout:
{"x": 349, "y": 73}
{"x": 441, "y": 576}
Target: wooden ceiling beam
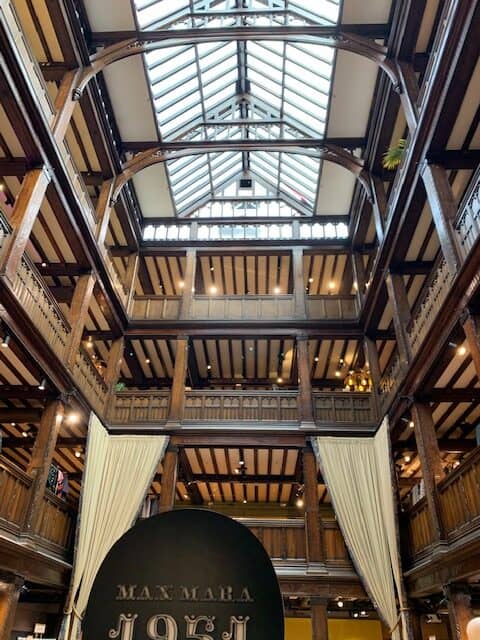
{"x": 450, "y": 395}
{"x": 446, "y": 445}
{"x": 20, "y": 415}
{"x": 202, "y": 440}
{"x": 56, "y": 269}
{"x": 24, "y": 392}
{"x": 452, "y": 159}
{"x": 22, "y": 443}
{"x": 412, "y": 267}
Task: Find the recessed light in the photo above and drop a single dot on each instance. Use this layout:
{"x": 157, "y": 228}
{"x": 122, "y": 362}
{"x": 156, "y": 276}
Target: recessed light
{"x": 279, "y": 380}
{"x": 181, "y": 284}
{"x": 407, "y": 458}
{"x": 209, "y": 366}
{"x": 331, "y": 285}
{"x": 316, "y": 358}
{"x": 310, "y": 280}
{"x": 44, "y": 264}
{"x": 461, "y": 351}
{"x": 299, "y": 502}
{"x": 78, "y": 453}
{"x": 337, "y": 374}
{"x": 340, "y": 603}
{"x": 276, "y": 290}
{"x": 213, "y": 289}
{"x": 147, "y": 360}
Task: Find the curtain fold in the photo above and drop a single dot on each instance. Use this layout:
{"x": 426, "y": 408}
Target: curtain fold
{"x": 118, "y": 472}
{"x": 358, "y": 476}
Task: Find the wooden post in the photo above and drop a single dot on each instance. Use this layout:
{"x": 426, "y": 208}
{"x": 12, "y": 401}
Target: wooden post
{"x": 460, "y": 612}
{"x": 103, "y": 211}
{"x": 169, "y": 479}
{"x": 371, "y": 357}
{"x": 305, "y": 400}
{"x": 300, "y": 310}
{"x": 25, "y": 212}
{"x": 131, "y": 279}
{"x": 359, "y": 275}
{"x": 471, "y": 326}
{"x": 379, "y": 206}
{"x": 319, "y": 618}
{"x": 10, "y": 588}
{"x": 431, "y": 463}
{"x": 41, "y": 460}
{"x": 188, "y": 284}
{"x": 401, "y": 314}
{"x": 65, "y": 104}
{"x": 78, "y": 315}
{"x": 177, "y": 393}
{"x": 312, "y": 515}
{"x": 114, "y": 362}
{"x": 444, "y": 211}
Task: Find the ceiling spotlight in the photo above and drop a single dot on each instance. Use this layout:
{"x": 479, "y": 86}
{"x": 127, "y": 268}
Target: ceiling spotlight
{"x": 6, "y": 340}
{"x": 213, "y": 289}
{"x": 42, "y": 384}
{"x": 461, "y": 350}
{"x": 411, "y": 424}
{"x": 237, "y": 470}
{"x": 331, "y": 285}
{"x": 407, "y": 458}
{"x": 147, "y": 360}
{"x": 279, "y": 380}
{"x": 355, "y": 286}
{"x": 25, "y": 434}
{"x": 337, "y": 374}
{"x": 44, "y": 264}
{"x": 316, "y": 358}
{"x": 456, "y": 464}
{"x": 78, "y": 453}
{"x": 310, "y": 280}
{"x": 245, "y": 501}
{"x": 181, "y": 284}
{"x": 363, "y": 613}
{"x": 12, "y": 424}
{"x": 276, "y": 290}
{"x": 355, "y": 615}
{"x": 340, "y": 604}
{"x": 299, "y": 502}
{"x": 185, "y": 495}
{"x": 73, "y": 418}
{"x": 90, "y": 342}
{"x": 209, "y": 366}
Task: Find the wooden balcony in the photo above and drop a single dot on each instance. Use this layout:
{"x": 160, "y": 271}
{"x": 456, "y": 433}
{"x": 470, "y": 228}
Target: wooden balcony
{"x": 55, "y": 530}
{"x": 251, "y": 307}
{"x": 468, "y": 221}
{"x": 459, "y": 503}
{"x": 90, "y": 381}
{"x": 332, "y": 409}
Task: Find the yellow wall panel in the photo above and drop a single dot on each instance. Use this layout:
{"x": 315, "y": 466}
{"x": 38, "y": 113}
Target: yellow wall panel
{"x": 301, "y": 629}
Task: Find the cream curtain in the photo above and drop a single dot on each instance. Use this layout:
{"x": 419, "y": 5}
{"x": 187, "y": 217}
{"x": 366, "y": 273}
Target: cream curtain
{"x": 358, "y": 475}
{"x": 118, "y": 472}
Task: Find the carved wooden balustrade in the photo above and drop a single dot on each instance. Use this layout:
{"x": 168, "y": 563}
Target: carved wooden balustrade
{"x": 344, "y": 407}
{"x": 90, "y": 381}
{"x": 424, "y": 314}
{"x": 468, "y": 221}
{"x": 133, "y": 407}
{"x": 459, "y": 503}
{"x": 55, "y": 529}
{"x": 390, "y": 380}
{"x": 156, "y": 307}
{"x": 242, "y": 406}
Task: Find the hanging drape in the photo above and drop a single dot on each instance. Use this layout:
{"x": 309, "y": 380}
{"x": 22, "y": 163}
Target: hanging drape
{"x": 118, "y": 472}
{"x": 358, "y": 476}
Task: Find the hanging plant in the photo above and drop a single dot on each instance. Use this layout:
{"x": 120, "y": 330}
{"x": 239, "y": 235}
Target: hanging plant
{"x": 394, "y": 155}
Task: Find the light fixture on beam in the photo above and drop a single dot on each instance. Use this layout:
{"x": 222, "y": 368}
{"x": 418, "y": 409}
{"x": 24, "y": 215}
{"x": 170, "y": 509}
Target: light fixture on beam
{"x": 6, "y": 340}
{"x": 460, "y": 348}
{"x": 43, "y": 384}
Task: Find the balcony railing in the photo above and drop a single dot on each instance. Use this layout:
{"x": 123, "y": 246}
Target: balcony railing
{"x": 343, "y": 407}
{"x": 90, "y": 381}
{"x": 390, "y": 379}
{"x": 78, "y": 184}
{"x": 434, "y": 295}
{"x": 133, "y": 407}
{"x": 257, "y": 406}
{"x": 250, "y": 307}
{"x": 56, "y": 525}
{"x": 459, "y": 504}
{"x": 468, "y": 221}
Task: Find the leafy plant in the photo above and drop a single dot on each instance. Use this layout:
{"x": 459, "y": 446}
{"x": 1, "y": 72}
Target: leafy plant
{"x": 393, "y": 157}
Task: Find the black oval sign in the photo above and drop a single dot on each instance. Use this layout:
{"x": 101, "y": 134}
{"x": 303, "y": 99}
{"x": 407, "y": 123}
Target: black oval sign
{"x": 188, "y": 574}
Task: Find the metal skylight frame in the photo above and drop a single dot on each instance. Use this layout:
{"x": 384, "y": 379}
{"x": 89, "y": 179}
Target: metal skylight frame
{"x": 240, "y": 89}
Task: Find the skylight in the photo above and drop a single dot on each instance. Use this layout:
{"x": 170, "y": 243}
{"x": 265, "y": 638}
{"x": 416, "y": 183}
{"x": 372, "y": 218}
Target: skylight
{"x": 240, "y": 90}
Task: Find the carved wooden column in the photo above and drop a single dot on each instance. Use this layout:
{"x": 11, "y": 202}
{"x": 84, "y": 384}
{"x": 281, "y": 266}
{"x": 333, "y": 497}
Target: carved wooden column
{"x": 131, "y": 279}
{"x": 78, "y": 315}
{"x": 459, "y": 609}
{"x": 401, "y": 314}
{"x": 169, "y": 479}
{"x": 471, "y": 326}
{"x": 10, "y": 588}
{"x": 25, "y": 212}
{"x": 319, "y": 618}
{"x": 431, "y": 463}
{"x": 103, "y": 211}
{"x": 65, "y": 104}
{"x": 188, "y": 284}
{"x": 444, "y": 211}
{"x": 177, "y": 393}
{"x": 359, "y": 275}
{"x": 312, "y": 515}
{"x": 114, "y": 363}
{"x": 305, "y": 400}
{"x": 371, "y": 357}
{"x": 300, "y": 310}
{"x": 379, "y": 206}
{"x": 41, "y": 460}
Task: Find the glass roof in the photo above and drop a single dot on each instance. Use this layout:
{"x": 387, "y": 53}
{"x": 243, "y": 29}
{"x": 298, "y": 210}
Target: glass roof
{"x": 239, "y": 90}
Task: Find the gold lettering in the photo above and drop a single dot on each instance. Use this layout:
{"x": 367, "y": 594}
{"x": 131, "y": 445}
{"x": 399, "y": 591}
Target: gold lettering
{"x": 245, "y": 595}
{"x": 171, "y": 629}
{"x": 208, "y": 595}
{"x": 126, "y": 592}
{"x": 125, "y": 627}
{"x": 226, "y": 594}
{"x": 145, "y": 593}
{"x": 188, "y": 594}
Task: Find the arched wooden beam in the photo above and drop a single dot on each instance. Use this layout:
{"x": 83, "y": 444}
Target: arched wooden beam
{"x": 156, "y": 155}
{"x": 183, "y": 37}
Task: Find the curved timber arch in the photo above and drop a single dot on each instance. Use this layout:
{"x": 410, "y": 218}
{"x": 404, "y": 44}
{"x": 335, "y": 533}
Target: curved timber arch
{"x": 153, "y": 40}
{"x": 156, "y": 155}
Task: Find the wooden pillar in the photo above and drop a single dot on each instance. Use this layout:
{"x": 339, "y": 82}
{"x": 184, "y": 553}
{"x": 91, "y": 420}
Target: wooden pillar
{"x": 401, "y": 314}
{"x": 25, "y": 212}
{"x": 188, "y": 284}
{"x": 78, "y": 315}
{"x": 114, "y": 362}
{"x": 444, "y": 210}
{"x": 371, "y": 357}
{"x": 305, "y": 400}
{"x": 379, "y": 206}
{"x": 10, "y": 588}
{"x": 177, "y": 393}
{"x": 169, "y": 479}
{"x": 359, "y": 275}
{"x": 319, "y": 618}
{"x": 131, "y": 279}
{"x": 313, "y": 531}
{"x": 41, "y": 460}
{"x": 300, "y": 309}
{"x": 459, "y": 609}
{"x": 471, "y": 327}
{"x": 65, "y": 104}
{"x": 431, "y": 463}
{"x": 103, "y": 212}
